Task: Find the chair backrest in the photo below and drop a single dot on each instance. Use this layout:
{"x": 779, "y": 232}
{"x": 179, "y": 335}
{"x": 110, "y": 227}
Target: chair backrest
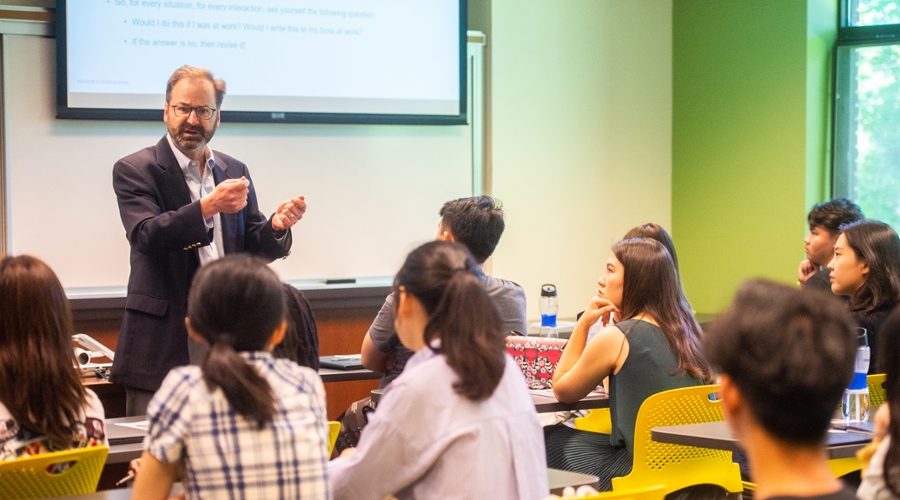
{"x": 537, "y": 357}
{"x": 656, "y": 492}
{"x": 29, "y": 477}
{"x": 876, "y": 389}
{"x": 334, "y": 428}
{"x": 676, "y": 466}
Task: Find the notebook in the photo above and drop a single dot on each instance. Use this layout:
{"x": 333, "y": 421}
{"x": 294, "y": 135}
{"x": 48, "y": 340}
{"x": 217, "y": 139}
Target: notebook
{"x": 537, "y": 357}
{"x": 341, "y": 362}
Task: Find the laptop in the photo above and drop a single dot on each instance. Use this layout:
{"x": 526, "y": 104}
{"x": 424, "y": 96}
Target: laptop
{"x": 537, "y": 357}
{"x": 341, "y": 362}
{"x": 126, "y": 431}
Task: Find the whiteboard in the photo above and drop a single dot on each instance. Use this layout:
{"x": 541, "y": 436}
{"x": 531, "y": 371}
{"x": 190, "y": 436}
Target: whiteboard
{"x": 373, "y": 191}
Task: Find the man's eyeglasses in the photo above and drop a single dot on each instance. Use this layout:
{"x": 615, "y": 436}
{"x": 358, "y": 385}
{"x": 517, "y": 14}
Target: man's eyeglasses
{"x": 203, "y": 112}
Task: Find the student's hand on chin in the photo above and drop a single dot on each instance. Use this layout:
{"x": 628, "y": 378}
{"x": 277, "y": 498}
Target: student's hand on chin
{"x": 600, "y": 308}
{"x": 806, "y": 270}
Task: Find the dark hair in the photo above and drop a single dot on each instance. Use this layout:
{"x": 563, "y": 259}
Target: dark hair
{"x": 651, "y": 287}
{"x": 39, "y": 382}
{"x": 878, "y": 245}
{"x": 656, "y": 232}
{"x": 195, "y": 73}
{"x": 236, "y": 303}
{"x": 890, "y": 359}
{"x": 476, "y": 222}
{"x": 301, "y": 340}
{"x": 441, "y": 275}
{"x": 831, "y": 215}
{"x": 791, "y": 354}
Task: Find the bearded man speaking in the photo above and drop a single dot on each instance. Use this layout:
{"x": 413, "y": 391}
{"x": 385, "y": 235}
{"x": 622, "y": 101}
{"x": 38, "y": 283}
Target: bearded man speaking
{"x": 182, "y": 205}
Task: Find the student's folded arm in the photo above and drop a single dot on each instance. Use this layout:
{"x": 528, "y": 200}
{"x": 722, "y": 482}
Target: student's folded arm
{"x": 584, "y": 369}
{"x": 371, "y": 357}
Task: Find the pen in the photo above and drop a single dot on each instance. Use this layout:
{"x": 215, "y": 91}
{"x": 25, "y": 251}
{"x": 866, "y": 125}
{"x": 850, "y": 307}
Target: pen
{"x": 125, "y": 479}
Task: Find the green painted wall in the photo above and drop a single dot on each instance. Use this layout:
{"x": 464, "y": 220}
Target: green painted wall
{"x": 750, "y": 105}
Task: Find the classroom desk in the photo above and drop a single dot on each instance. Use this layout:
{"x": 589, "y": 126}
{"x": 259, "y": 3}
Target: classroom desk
{"x": 717, "y": 435}
{"x": 112, "y": 396}
{"x": 332, "y": 375}
{"x": 557, "y": 480}
{"x": 125, "y": 443}
{"x": 545, "y": 402}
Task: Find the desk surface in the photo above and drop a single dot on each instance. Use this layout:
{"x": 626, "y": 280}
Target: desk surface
{"x": 332, "y": 375}
{"x": 99, "y": 385}
{"x": 557, "y": 479}
{"x": 717, "y": 435}
{"x": 119, "y": 453}
{"x": 545, "y": 402}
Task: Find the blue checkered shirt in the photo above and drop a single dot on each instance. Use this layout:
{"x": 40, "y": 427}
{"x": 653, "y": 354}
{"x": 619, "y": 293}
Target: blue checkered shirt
{"x": 224, "y": 454}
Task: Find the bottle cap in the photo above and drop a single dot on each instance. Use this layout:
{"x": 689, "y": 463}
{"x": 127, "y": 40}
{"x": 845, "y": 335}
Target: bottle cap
{"x": 548, "y": 290}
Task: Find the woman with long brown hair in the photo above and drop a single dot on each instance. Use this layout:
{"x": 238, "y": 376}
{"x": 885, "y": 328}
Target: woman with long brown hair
{"x": 43, "y": 405}
{"x": 650, "y": 345}
{"x": 458, "y": 422}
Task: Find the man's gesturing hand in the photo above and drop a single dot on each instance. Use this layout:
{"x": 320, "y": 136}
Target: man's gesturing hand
{"x": 229, "y": 197}
{"x": 288, "y": 213}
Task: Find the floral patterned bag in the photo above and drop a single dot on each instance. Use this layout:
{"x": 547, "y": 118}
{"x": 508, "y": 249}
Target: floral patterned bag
{"x": 537, "y": 357}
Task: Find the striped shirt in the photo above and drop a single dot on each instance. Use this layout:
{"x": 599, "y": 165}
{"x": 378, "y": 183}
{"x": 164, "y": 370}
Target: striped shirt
{"x": 224, "y": 454}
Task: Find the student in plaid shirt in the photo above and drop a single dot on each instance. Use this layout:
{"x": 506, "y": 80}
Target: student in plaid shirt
{"x": 244, "y": 424}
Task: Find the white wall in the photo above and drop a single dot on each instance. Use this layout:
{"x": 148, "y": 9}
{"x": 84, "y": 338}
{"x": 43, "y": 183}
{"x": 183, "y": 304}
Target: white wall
{"x": 581, "y": 127}
{"x": 373, "y": 190}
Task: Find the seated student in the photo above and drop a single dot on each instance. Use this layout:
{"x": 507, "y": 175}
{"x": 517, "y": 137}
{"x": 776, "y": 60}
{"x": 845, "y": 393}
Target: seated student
{"x": 866, "y": 267}
{"x": 43, "y": 405}
{"x": 785, "y": 358}
{"x": 652, "y": 347}
{"x": 477, "y": 223}
{"x": 244, "y": 424}
{"x": 825, "y": 220}
{"x": 301, "y": 338}
{"x": 459, "y": 421}
{"x": 881, "y": 478}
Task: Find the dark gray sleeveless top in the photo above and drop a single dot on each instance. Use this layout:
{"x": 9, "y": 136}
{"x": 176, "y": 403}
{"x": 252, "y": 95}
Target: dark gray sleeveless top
{"x": 648, "y": 369}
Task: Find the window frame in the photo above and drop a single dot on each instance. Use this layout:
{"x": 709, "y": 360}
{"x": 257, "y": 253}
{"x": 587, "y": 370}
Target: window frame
{"x": 843, "y": 147}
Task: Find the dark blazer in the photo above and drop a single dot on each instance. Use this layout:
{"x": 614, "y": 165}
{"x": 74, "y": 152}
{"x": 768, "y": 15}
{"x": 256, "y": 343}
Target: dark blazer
{"x": 164, "y": 229}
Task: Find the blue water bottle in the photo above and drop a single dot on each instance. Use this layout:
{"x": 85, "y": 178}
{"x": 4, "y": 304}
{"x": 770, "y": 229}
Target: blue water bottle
{"x": 549, "y": 307}
{"x": 855, "y": 405}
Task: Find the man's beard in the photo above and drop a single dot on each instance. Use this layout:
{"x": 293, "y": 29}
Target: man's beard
{"x": 193, "y": 143}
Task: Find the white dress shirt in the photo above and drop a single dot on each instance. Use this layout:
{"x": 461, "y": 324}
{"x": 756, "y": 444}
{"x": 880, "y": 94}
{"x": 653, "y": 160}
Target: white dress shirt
{"x": 200, "y": 187}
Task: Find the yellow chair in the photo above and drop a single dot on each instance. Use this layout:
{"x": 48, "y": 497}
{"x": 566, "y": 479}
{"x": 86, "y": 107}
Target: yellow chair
{"x": 646, "y": 493}
{"x": 334, "y": 428}
{"x": 876, "y": 389}
{"x": 28, "y": 477}
{"x": 597, "y": 420}
{"x": 676, "y": 466}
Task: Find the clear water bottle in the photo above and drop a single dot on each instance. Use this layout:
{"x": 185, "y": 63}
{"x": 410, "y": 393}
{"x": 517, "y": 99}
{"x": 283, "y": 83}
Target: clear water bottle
{"x": 549, "y": 307}
{"x": 855, "y": 405}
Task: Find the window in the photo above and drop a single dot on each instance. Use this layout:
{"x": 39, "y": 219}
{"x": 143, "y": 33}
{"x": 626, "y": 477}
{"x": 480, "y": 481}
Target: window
{"x": 867, "y": 108}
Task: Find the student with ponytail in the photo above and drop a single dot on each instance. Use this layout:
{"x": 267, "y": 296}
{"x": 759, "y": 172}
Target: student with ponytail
{"x": 459, "y": 421}
{"x": 244, "y": 424}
